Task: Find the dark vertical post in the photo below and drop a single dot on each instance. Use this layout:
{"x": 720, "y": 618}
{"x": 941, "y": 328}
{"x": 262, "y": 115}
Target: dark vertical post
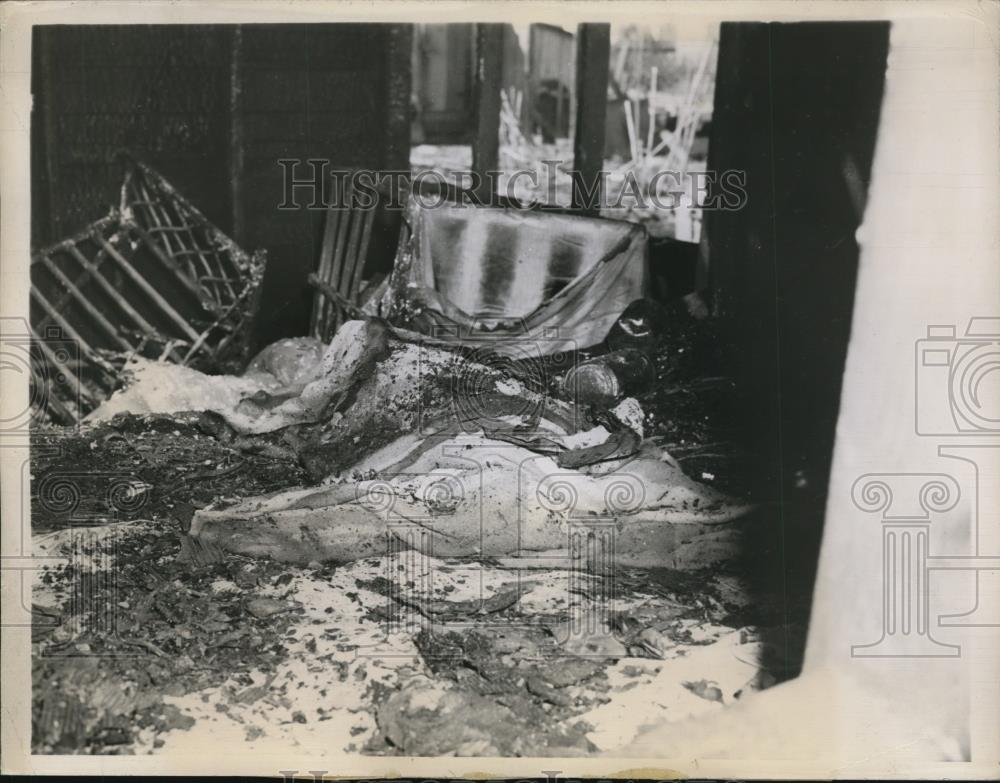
{"x": 236, "y": 144}
{"x": 399, "y": 47}
{"x": 44, "y": 165}
{"x": 395, "y": 153}
{"x": 531, "y": 87}
{"x": 489, "y": 62}
{"x": 593, "y": 49}
{"x": 783, "y": 267}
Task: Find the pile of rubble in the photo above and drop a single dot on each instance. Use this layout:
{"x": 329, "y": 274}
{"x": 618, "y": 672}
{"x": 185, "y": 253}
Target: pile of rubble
{"x": 405, "y": 540}
{"x": 450, "y": 535}
{"x": 415, "y": 439}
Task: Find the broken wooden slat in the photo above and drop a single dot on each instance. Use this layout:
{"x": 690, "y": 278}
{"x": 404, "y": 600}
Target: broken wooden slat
{"x": 362, "y": 255}
{"x": 85, "y": 303}
{"x": 95, "y": 274}
{"x": 167, "y": 225}
{"x": 85, "y": 348}
{"x": 334, "y": 217}
{"x": 160, "y": 256}
{"x": 151, "y": 292}
{"x": 62, "y": 367}
{"x": 318, "y": 320}
{"x": 147, "y": 202}
{"x": 343, "y": 230}
{"x": 351, "y": 258}
{"x": 344, "y": 225}
{"x": 343, "y": 254}
{"x": 335, "y": 298}
{"x": 166, "y": 228}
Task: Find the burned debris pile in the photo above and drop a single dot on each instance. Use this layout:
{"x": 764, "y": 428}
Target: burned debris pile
{"x": 384, "y": 423}
{"x": 458, "y": 510}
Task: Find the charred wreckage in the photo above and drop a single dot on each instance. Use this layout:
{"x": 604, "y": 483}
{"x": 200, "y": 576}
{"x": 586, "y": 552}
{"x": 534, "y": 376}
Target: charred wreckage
{"x": 485, "y": 498}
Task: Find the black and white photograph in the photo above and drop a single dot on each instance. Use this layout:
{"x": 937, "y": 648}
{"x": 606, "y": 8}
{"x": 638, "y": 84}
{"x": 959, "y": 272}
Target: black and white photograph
{"x": 602, "y": 390}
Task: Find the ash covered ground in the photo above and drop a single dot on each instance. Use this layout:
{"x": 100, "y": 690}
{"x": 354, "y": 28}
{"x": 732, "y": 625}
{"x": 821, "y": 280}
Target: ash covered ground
{"x": 148, "y": 638}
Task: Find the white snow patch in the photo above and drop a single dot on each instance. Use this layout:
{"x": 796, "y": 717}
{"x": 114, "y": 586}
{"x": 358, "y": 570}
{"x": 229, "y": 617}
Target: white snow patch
{"x": 727, "y": 664}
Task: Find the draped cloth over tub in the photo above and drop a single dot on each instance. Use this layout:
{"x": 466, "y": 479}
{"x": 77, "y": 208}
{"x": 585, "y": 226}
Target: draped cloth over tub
{"x": 467, "y": 274}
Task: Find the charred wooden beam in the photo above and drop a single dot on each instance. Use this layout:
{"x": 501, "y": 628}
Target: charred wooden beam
{"x": 593, "y": 49}
{"x": 237, "y": 143}
{"x": 398, "y": 51}
{"x": 489, "y": 67}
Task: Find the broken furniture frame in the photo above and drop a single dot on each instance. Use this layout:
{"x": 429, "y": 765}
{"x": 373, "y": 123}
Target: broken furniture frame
{"x": 154, "y": 278}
